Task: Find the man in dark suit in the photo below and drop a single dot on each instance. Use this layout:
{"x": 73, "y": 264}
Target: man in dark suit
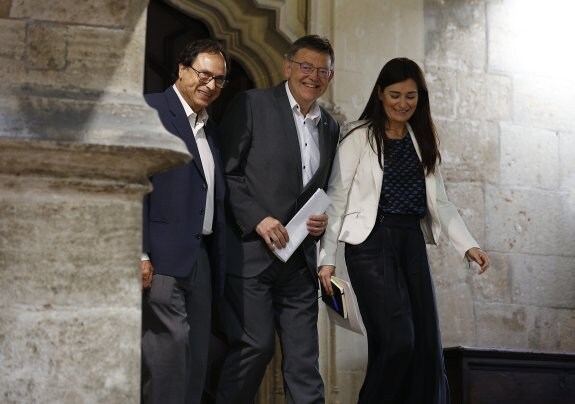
{"x": 279, "y": 147}
{"x": 184, "y": 235}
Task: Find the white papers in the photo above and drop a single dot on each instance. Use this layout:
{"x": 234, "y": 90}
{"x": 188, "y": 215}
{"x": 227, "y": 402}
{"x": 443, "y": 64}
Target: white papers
{"x": 353, "y": 321}
{"x": 297, "y": 229}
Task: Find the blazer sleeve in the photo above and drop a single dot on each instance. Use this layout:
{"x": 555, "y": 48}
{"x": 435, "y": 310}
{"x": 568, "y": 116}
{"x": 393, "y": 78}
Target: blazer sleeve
{"x": 237, "y": 131}
{"x": 345, "y": 164}
{"x": 451, "y": 220}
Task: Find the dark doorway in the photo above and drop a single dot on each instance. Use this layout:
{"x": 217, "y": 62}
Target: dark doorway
{"x": 168, "y": 30}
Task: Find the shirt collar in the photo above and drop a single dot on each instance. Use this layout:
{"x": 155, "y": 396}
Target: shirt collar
{"x": 202, "y": 116}
{"x": 314, "y": 112}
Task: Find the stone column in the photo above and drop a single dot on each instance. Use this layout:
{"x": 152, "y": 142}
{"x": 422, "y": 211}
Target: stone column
{"x": 77, "y": 143}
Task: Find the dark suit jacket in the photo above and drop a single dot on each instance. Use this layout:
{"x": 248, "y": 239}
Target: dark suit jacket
{"x": 174, "y": 211}
{"x": 263, "y": 168}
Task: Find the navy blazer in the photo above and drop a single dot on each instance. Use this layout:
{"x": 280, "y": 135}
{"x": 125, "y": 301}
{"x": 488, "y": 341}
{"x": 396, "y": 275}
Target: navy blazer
{"x": 173, "y": 213}
{"x": 263, "y": 169}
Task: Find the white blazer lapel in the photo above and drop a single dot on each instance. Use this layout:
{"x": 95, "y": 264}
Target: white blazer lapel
{"x": 376, "y": 170}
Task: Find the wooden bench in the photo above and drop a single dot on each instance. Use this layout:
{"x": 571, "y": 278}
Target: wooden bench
{"x": 496, "y": 376}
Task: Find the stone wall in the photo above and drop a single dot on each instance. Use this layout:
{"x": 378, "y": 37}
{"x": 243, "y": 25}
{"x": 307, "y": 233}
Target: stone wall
{"x": 76, "y": 145}
{"x": 506, "y": 132}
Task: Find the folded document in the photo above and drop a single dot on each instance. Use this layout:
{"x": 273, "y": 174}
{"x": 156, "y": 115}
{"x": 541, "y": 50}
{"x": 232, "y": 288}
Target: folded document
{"x": 297, "y": 228}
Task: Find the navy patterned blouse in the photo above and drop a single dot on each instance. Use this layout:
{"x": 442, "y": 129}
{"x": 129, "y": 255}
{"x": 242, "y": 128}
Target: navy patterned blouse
{"x": 403, "y": 188}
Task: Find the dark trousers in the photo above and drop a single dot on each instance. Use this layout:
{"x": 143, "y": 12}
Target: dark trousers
{"x": 283, "y": 298}
{"x": 390, "y": 275}
{"x": 176, "y": 324}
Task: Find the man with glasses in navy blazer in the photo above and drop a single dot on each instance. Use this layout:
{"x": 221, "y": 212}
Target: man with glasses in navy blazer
{"x": 183, "y": 235}
{"x": 278, "y": 150}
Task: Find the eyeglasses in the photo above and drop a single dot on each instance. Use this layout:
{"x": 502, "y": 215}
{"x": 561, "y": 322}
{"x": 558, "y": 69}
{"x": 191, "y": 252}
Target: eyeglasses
{"x": 307, "y": 68}
{"x": 206, "y": 77}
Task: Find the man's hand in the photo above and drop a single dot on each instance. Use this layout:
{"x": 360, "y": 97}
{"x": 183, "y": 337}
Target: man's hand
{"x": 273, "y": 233}
{"x": 324, "y": 274}
{"x": 316, "y": 224}
{"x": 147, "y": 271}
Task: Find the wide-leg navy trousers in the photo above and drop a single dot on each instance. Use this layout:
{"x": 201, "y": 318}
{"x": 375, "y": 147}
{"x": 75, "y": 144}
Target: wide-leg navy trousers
{"x": 390, "y": 275}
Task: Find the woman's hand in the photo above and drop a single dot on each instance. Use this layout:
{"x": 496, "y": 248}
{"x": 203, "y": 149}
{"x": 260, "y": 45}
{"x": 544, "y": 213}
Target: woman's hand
{"x": 478, "y": 256}
{"x": 324, "y": 274}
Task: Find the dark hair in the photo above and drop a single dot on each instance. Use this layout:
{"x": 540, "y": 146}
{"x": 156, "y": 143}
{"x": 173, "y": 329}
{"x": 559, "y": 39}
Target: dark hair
{"x": 395, "y": 71}
{"x": 313, "y": 42}
{"x": 192, "y": 49}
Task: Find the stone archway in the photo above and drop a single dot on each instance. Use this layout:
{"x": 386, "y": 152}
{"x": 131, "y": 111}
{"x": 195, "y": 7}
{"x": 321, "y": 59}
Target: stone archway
{"x": 257, "y": 36}
{"x": 168, "y": 29}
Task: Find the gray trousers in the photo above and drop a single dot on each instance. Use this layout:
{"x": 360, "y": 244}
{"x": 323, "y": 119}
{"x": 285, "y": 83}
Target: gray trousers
{"x": 176, "y": 324}
{"x": 282, "y": 299}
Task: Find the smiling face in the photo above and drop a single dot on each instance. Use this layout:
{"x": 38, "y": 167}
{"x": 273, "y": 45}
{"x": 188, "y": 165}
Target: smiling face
{"x": 199, "y": 95}
{"x": 399, "y": 102}
{"x": 307, "y": 88}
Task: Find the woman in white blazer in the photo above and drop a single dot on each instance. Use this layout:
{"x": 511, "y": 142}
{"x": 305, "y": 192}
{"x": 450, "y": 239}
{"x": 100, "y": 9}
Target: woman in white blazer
{"x": 387, "y": 201}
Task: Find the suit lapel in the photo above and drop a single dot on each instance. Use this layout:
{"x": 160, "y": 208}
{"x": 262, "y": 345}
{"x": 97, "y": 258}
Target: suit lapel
{"x": 218, "y": 173}
{"x": 183, "y": 128}
{"x": 324, "y": 154}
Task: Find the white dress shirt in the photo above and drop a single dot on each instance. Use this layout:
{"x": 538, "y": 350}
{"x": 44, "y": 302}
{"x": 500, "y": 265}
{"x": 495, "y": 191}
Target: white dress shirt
{"x": 308, "y": 136}
{"x": 197, "y": 123}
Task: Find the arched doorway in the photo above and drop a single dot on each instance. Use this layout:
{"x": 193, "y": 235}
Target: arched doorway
{"x": 168, "y": 30}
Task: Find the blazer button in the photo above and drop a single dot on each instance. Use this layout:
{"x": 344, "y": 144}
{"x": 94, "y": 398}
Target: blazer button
{"x": 205, "y": 187}
{"x": 199, "y": 236}
{"x": 202, "y": 211}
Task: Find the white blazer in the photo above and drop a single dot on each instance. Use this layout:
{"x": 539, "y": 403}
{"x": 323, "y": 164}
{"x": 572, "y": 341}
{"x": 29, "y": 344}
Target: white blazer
{"x": 354, "y": 189}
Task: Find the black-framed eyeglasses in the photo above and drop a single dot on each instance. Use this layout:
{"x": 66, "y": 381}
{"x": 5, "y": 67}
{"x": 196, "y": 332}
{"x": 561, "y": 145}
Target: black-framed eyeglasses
{"x": 308, "y": 68}
{"x": 206, "y": 77}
